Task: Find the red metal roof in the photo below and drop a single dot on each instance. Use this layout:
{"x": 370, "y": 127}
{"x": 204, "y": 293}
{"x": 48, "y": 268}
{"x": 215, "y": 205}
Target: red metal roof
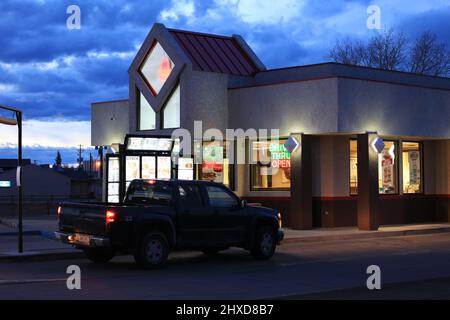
{"x": 213, "y": 53}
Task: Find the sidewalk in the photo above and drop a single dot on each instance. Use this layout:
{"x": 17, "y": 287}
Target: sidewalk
{"x": 348, "y": 233}
{"x": 39, "y": 241}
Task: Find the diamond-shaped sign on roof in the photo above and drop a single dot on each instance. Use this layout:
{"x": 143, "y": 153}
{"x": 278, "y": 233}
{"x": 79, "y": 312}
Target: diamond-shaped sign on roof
{"x": 378, "y": 144}
{"x": 291, "y": 144}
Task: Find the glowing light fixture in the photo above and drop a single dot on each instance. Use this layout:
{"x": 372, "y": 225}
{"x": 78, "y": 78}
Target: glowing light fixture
{"x": 377, "y": 144}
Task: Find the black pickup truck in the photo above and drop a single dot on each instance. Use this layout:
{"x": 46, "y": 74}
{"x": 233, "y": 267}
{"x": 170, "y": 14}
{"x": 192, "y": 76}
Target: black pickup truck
{"x": 158, "y": 216}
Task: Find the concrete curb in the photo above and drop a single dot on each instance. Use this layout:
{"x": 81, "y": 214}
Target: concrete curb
{"x": 369, "y": 235}
{"x": 42, "y": 256}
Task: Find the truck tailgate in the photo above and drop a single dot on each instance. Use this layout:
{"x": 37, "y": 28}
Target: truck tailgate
{"x": 83, "y": 218}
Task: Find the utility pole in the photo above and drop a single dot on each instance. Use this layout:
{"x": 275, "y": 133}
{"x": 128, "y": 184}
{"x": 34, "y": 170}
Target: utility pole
{"x": 80, "y": 157}
{"x": 90, "y": 163}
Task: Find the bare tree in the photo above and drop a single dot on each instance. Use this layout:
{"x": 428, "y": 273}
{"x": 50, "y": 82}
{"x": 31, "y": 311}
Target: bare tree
{"x": 428, "y": 56}
{"x": 349, "y": 52}
{"x": 386, "y": 51}
{"x": 391, "y": 51}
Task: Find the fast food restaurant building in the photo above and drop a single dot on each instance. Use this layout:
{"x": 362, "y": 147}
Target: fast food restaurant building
{"x": 373, "y": 145}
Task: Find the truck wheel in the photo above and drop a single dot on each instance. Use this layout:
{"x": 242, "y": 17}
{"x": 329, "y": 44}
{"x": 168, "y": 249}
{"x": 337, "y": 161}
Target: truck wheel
{"x": 265, "y": 243}
{"x": 153, "y": 251}
{"x": 99, "y": 255}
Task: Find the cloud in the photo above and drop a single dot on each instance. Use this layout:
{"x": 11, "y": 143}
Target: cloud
{"x": 263, "y": 11}
{"x": 179, "y": 8}
{"x": 60, "y": 133}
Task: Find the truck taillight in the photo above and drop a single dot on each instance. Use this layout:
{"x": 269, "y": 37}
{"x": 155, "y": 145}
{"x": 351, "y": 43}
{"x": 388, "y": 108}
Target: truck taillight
{"x": 110, "y": 216}
{"x": 59, "y": 210}
{"x": 280, "y": 220}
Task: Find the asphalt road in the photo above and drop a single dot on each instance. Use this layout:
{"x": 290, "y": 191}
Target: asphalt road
{"x": 320, "y": 270}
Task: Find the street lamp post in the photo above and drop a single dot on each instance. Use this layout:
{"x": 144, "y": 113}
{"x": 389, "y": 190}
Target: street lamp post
{"x": 12, "y": 122}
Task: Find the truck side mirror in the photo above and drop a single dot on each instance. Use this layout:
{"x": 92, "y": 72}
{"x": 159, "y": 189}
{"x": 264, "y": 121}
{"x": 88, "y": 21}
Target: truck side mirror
{"x": 243, "y": 203}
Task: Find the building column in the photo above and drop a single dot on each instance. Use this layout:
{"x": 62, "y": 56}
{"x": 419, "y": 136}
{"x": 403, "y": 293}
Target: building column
{"x": 368, "y": 197}
{"x": 301, "y": 184}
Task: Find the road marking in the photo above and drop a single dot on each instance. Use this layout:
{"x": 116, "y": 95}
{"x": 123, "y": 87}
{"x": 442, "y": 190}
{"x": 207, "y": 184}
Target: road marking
{"x": 28, "y": 281}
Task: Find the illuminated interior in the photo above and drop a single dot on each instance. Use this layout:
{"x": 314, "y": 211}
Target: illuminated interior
{"x": 171, "y": 111}
{"x": 147, "y": 116}
{"x": 215, "y": 164}
{"x": 412, "y": 167}
{"x": 353, "y": 167}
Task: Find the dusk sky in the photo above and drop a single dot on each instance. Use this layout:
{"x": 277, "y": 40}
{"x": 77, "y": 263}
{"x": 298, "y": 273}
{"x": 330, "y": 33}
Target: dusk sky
{"x": 54, "y": 74}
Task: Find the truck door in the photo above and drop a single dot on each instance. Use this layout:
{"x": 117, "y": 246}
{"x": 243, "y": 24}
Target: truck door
{"x": 194, "y": 217}
{"x": 230, "y": 221}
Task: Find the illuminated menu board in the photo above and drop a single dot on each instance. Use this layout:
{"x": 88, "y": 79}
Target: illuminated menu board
{"x": 186, "y": 169}
{"x": 148, "y": 167}
{"x": 132, "y": 168}
{"x": 164, "y": 168}
{"x": 113, "y": 180}
{"x": 153, "y": 144}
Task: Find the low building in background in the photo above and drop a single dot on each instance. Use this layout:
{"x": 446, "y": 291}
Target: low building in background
{"x": 44, "y": 187}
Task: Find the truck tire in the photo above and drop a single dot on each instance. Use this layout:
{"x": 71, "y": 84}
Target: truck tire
{"x": 98, "y": 255}
{"x": 265, "y": 243}
{"x": 153, "y": 251}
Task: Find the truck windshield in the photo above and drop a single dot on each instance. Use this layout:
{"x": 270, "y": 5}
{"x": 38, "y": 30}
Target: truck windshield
{"x": 144, "y": 192}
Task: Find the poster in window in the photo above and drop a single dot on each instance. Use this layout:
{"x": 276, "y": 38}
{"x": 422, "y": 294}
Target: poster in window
{"x": 132, "y": 168}
{"x": 414, "y": 167}
{"x": 148, "y": 168}
{"x": 387, "y": 165}
{"x": 113, "y": 170}
{"x": 164, "y": 168}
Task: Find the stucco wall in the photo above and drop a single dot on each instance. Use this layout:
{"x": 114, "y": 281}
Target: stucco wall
{"x": 206, "y": 99}
{"x": 393, "y": 109}
{"x": 109, "y": 122}
{"x": 309, "y": 107}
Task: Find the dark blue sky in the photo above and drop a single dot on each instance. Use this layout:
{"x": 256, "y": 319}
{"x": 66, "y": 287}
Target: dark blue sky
{"x": 54, "y": 73}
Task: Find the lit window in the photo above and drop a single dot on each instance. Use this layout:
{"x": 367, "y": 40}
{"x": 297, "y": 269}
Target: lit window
{"x": 387, "y": 169}
{"x": 147, "y": 116}
{"x": 171, "y": 111}
{"x": 353, "y": 167}
{"x": 156, "y": 68}
{"x": 271, "y": 165}
{"x": 215, "y": 164}
{"x": 412, "y": 167}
